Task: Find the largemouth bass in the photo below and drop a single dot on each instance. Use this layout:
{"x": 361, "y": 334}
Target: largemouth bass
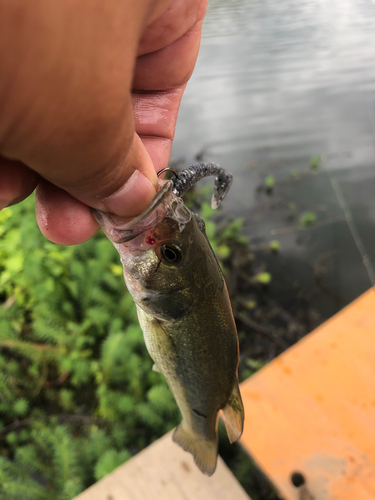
{"x": 184, "y": 311}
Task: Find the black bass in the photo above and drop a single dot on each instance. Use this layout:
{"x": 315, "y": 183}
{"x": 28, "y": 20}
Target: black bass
{"x": 184, "y": 310}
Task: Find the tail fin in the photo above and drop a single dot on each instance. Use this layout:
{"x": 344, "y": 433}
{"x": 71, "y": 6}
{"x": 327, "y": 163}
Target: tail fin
{"x": 234, "y": 414}
{"x": 203, "y": 451}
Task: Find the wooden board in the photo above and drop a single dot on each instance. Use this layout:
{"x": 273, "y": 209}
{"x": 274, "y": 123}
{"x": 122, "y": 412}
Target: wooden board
{"x": 163, "y": 471}
{"x": 312, "y": 409}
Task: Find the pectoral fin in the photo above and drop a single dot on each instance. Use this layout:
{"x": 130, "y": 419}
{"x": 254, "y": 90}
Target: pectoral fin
{"x": 155, "y": 368}
{"x": 234, "y": 414}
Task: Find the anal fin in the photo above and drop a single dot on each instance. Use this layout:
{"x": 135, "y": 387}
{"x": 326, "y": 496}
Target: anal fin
{"x": 234, "y": 414}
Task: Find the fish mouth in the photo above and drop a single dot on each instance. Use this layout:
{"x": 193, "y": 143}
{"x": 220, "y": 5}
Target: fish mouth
{"x": 120, "y": 230}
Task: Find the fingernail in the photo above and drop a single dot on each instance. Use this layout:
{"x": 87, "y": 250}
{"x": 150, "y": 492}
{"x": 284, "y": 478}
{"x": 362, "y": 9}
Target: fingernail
{"x": 134, "y": 197}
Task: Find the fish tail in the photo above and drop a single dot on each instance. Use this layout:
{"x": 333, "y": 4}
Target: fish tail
{"x": 203, "y": 450}
{"x": 234, "y": 414}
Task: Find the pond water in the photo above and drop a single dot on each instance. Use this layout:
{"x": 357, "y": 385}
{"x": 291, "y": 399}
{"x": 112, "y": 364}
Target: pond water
{"x": 277, "y": 83}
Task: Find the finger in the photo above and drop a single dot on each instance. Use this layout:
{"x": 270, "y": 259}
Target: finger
{"x": 17, "y": 182}
{"x": 167, "y": 58}
{"x": 61, "y": 218}
{"x": 175, "y": 21}
{"x": 155, "y": 116}
{"x": 170, "y": 66}
{"x": 155, "y": 113}
{"x": 159, "y": 150}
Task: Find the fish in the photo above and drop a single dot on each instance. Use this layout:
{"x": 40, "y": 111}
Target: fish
{"x": 184, "y": 310}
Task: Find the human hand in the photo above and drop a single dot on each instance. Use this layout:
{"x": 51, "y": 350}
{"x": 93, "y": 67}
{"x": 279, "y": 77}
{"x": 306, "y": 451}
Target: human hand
{"x": 89, "y": 96}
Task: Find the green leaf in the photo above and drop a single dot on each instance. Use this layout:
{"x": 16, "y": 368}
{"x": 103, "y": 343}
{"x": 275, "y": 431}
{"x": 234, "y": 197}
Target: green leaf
{"x": 274, "y": 246}
{"x": 270, "y": 182}
{"x": 116, "y": 269}
{"x": 222, "y": 251}
{"x": 109, "y": 462}
{"x": 263, "y": 278}
{"x": 307, "y": 219}
{"x": 314, "y": 162}
{"x": 67, "y": 399}
{"x": 20, "y": 407}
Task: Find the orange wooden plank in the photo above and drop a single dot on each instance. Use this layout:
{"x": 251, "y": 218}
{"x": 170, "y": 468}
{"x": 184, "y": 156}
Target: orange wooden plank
{"x": 313, "y": 409}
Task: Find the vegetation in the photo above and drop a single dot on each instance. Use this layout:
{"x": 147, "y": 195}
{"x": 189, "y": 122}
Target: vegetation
{"x": 270, "y": 183}
{"x": 274, "y": 246}
{"x": 307, "y": 219}
{"x": 315, "y": 162}
{"x": 263, "y": 278}
{"x": 78, "y": 396}
{"x": 77, "y": 393}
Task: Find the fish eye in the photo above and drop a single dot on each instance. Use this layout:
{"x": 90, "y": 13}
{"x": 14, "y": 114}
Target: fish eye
{"x": 171, "y": 254}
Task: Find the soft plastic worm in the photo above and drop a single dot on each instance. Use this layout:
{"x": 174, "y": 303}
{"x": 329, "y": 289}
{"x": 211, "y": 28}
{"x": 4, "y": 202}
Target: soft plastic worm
{"x": 185, "y": 179}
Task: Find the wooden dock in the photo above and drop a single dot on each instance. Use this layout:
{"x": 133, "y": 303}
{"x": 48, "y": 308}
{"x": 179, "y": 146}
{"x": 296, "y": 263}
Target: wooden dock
{"x": 163, "y": 471}
{"x": 311, "y": 411}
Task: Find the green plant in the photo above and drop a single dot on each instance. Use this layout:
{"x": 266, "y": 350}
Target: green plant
{"x": 274, "y": 246}
{"x": 307, "y": 219}
{"x": 270, "y": 182}
{"x": 263, "y": 278}
{"x": 78, "y": 395}
{"x": 315, "y": 162}
{"x": 77, "y": 392}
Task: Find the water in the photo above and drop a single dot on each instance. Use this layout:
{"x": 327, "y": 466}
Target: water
{"x": 275, "y": 84}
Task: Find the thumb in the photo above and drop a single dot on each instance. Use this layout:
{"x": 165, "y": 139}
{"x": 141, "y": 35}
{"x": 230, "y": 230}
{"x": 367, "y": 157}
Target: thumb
{"x": 105, "y": 166}
{"x": 123, "y": 181}
{"x": 125, "y": 189}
